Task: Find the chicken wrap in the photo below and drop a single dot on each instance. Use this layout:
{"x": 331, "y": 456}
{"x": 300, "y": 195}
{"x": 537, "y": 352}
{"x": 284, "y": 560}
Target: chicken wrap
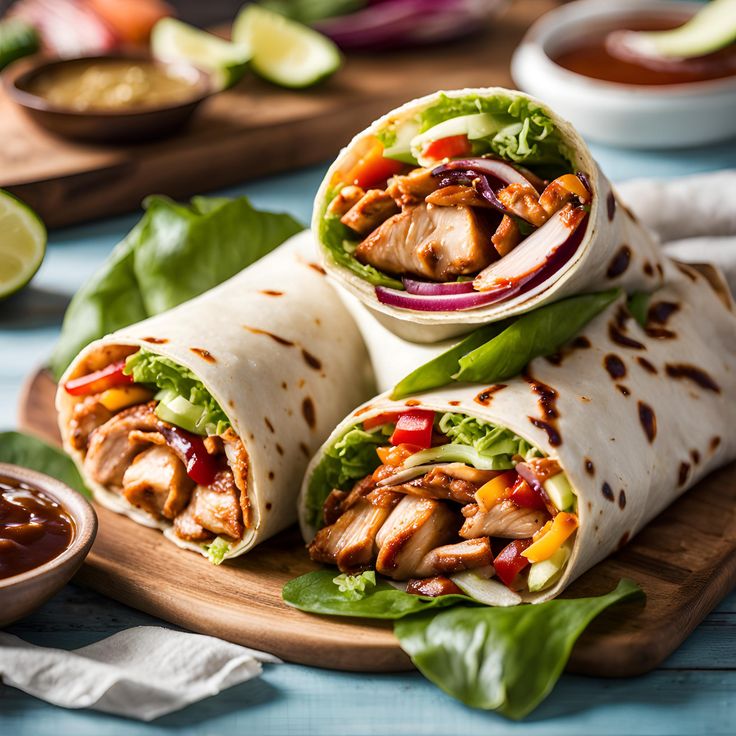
{"x": 465, "y": 207}
{"x": 509, "y": 491}
{"x": 200, "y": 421}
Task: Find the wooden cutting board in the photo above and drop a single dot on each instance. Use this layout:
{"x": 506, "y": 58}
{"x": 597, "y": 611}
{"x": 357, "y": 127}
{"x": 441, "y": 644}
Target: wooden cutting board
{"x": 685, "y": 560}
{"x": 249, "y": 131}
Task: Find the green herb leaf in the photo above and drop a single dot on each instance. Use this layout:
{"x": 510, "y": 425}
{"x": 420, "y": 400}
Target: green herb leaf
{"x": 174, "y": 253}
{"x": 353, "y": 587}
{"x": 317, "y": 592}
{"x": 217, "y": 550}
{"x": 537, "y": 333}
{"x": 638, "y": 305}
{"x": 30, "y": 452}
{"x": 504, "y": 659}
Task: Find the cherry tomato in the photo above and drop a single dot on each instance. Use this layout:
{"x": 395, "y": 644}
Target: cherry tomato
{"x": 455, "y": 146}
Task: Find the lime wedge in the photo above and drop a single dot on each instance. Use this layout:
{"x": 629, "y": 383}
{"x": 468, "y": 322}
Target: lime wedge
{"x": 172, "y": 40}
{"x": 709, "y": 30}
{"x": 22, "y": 244}
{"x": 17, "y": 39}
{"x": 285, "y": 52}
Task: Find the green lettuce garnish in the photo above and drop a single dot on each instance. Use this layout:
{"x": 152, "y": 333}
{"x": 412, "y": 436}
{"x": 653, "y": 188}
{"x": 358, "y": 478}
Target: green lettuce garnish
{"x": 351, "y": 458}
{"x": 201, "y": 414}
{"x": 217, "y": 550}
{"x": 174, "y": 253}
{"x": 354, "y": 587}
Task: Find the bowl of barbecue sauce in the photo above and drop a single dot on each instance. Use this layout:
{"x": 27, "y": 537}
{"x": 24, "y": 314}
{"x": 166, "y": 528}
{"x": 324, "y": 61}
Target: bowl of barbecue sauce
{"x": 569, "y": 60}
{"x": 46, "y": 531}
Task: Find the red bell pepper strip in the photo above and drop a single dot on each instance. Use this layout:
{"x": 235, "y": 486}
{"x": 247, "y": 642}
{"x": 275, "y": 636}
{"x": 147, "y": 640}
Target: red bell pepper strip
{"x": 201, "y": 466}
{"x": 510, "y": 562}
{"x": 453, "y": 146}
{"x": 414, "y": 428}
{"x": 94, "y": 383}
{"x": 381, "y": 419}
{"x": 527, "y": 497}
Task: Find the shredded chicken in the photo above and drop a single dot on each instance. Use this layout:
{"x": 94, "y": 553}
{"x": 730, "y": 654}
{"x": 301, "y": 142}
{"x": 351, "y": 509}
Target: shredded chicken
{"x": 87, "y": 415}
{"x": 345, "y": 199}
{"x": 438, "y": 243}
{"x": 523, "y": 201}
{"x": 186, "y": 527}
{"x": 410, "y": 189}
{"x": 505, "y": 520}
{"x": 467, "y": 555}
{"x": 349, "y": 543}
{"x": 237, "y": 458}
{"x": 455, "y": 195}
{"x": 156, "y": 481}
{"x": 415, "y": 526}
{"x": 507, "y": 236}
{"x": 372, "y": 209}
{"x": 216, "y": 507}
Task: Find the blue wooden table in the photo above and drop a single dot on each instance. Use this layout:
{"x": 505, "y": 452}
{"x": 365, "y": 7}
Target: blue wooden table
{"x": 694, "y": 692}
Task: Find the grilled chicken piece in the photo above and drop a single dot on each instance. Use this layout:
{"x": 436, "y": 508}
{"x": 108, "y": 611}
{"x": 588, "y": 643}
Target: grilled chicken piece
{"x": 433, "y": 587}
{"x": 438, "y": 243}
{"x": 523, "y": 201}
{"x": 237, "y": 458}
{"x": 216, "y": 507}
{"x": 507, "y": 236}
{"x": 373, "y": 208}
{"x": 187, "y": 528}
{"x": 455, "y": 195}
{"x": 214, "y": 444}
{"x": 505, "y": 520}
{"x": 157, "y": 482}
{"x": 451, "y": 482}
{"x": 415, "y": 526}
{"x": 111, "y": 450}
{"x": 561, "y": 191}
{"x": 87, "y": 415}
{"x": 411, "y": 189}
{"x": 332, "y": 507}
{"x": 345, "y": 199}
{"x": 350, "y": 541}
{"x": 467, "y": 555}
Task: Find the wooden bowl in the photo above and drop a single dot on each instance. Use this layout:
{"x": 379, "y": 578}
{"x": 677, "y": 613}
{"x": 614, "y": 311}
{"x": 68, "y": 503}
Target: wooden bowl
{"x": 105, "y": 126}
{"x": 21, "y": 594}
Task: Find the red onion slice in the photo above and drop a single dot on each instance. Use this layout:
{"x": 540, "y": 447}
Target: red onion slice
{"x": 489, "y": 166}
{"x": 427, "y": 288}
{"x": 442, "y": 303}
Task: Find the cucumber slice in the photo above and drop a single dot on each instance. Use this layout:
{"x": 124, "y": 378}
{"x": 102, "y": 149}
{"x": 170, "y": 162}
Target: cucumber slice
{"x": 285, "y": 52}
{"x": 543, "y": 574}
{"x": 172, "y": 40}
{"x": 176, "y": 410}
{"x": 709, "y": 30}
{"x": 559, "y": 490}
{"x": 480, "y": 125}
{"x": 400, "y": 150}
{"x": 22, "y": 244}
{"x": 17, "y": 39}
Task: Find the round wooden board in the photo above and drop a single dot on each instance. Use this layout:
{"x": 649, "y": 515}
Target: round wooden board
{"x": 685, "y": 560}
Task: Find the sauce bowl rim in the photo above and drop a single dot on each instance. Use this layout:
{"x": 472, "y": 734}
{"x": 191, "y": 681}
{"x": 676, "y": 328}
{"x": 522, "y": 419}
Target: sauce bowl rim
{"x": 74, "y": 504}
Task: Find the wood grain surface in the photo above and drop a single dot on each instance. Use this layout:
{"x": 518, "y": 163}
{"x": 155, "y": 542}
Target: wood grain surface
{"x": 246, "y": 132}
{"x": 685, "y": 560}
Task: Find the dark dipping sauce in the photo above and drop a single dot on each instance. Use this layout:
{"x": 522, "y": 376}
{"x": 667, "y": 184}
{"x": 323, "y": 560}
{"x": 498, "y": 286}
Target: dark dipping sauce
{"x": 33, "y": 528}
{"x": 591, "y": 58}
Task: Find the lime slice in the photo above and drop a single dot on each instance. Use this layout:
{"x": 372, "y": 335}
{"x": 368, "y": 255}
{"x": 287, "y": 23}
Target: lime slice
{"x": 17, "y": 39}
{"x": 285, "y": 52}
{"x": 709, "y": 30}
{"x": 22, "y": 244}
{"x": 172, "y": 40}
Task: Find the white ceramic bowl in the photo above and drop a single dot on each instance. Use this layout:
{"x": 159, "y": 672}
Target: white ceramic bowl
{"x": 632, "y": 116}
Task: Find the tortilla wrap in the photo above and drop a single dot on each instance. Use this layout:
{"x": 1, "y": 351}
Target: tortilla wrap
{"x": 641, "y": 414}
{"x": 616, "y": 250}
{"x": 279, "y": 354}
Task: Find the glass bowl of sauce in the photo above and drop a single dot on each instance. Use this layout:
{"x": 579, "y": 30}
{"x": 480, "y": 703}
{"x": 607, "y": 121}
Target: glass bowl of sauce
{"x": 109, "y": 98}
{"x": 46, "y": 530}
{"x": 565, "y": 60}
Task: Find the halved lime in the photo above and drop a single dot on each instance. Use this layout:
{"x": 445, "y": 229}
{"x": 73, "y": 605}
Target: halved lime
{"x": 17, "y": 39}
{"x": 285, "y": 52}
{"x": 709, "y": 30}
{"x": 22, "y": 244}
{"x": 172, "y": 40}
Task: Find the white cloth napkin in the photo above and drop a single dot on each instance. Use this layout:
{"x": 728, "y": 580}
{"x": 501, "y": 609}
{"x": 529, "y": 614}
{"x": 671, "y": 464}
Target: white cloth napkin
{"x": 693, "y": 216}
{"x": 143, "y": 672}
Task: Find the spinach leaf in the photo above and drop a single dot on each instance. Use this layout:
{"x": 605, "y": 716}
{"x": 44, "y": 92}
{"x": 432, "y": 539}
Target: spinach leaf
{"x": 439, "y": 371}
{"x": 174, "y": 253}
{"x": 317, "y": 592}
{"x": 537, "y": 333}
{"x": 504, "y": 659}
{"x": 30, "y": 452}
{"x": 638, "y": 305}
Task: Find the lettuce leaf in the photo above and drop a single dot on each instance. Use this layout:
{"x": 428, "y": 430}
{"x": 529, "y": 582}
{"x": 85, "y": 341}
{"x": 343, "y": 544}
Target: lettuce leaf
{"x": 503, "y": 659}
{"x": 174, "y": 253}
{"x": 163, "y": 373}
{"x": 216, "y": 550}
{"x": 319, "y": 592}
{"x": 349, "y": 459}
{"x": 30, "y": 452}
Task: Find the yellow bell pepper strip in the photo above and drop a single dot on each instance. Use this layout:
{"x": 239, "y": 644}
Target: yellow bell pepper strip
{"x": 495, "y": 490}
{"x": 551, "y": 537}
{"x": 115, "y": 399}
